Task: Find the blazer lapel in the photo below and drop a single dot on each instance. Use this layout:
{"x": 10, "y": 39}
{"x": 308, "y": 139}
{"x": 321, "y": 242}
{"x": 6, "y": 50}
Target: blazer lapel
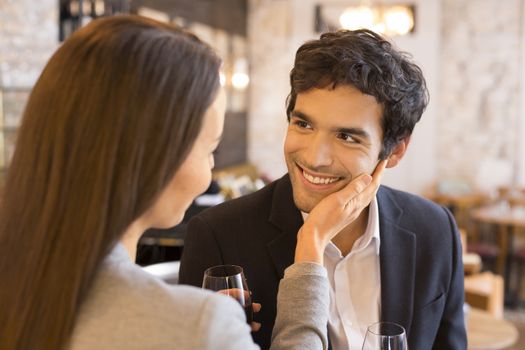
{"x": 287, "y": 218}
{"x": 397, "y": 261}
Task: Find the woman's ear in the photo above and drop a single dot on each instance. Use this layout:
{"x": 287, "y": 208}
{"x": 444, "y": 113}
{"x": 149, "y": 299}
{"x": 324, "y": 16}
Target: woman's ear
{"x": 398, "y": 152}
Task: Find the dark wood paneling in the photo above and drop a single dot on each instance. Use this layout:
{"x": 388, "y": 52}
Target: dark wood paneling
{"x": 229, "y": 15}
{"x": 233, "y": 147}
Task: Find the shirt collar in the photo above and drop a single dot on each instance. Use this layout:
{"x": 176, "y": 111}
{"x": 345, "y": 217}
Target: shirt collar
{"x": 371, "y": 232}
{"x": 372, "y": 228}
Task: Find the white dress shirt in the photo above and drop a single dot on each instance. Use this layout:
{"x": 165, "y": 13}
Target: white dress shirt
{"x": 355, "y": 286}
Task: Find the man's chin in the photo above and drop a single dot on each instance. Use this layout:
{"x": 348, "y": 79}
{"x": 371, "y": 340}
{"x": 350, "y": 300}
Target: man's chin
{"x": 306, "y": 201}
{"x": 306, "y": 205}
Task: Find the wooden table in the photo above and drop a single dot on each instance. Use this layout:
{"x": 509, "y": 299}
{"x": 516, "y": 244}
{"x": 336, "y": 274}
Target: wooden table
{"x": 485, "y": 332}
{"x": 508, "y": 219}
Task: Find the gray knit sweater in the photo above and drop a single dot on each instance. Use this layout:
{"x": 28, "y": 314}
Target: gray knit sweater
{"x": 129, "y": 309}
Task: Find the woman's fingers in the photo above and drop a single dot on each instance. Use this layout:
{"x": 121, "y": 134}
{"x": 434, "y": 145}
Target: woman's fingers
{"x": 380, "y": 168}
{"x": 256, "y": 307}
{"x": 362, "y": 199}
{"x": 353, "y": 189}
{"x": 364, "y": 185}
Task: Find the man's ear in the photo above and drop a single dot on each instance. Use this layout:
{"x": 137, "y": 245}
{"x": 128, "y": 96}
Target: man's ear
{"x": 398, "y": 152}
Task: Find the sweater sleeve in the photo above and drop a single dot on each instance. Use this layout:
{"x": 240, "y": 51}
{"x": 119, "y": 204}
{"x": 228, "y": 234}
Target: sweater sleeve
{"x": 224, "y": 325}
{"x": 302, "y": 308}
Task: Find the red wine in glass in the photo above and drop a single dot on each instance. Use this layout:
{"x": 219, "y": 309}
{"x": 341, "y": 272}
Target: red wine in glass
{"x": 230, "y": 280}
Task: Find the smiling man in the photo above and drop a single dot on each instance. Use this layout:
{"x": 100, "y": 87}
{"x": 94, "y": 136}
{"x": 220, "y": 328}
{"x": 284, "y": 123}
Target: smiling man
{"x": 354, "y": 102}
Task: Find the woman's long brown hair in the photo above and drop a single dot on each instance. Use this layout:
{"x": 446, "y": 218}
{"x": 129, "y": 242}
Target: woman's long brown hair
{"x": 113, "y": 115}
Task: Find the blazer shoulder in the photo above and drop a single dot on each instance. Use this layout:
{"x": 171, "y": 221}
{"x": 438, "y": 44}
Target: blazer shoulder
{"x": 416, "y": 214}
{"x": 412, "y": 202}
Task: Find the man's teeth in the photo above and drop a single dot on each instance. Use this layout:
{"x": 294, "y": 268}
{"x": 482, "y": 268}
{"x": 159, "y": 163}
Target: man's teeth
{"x": 319, "y": 180}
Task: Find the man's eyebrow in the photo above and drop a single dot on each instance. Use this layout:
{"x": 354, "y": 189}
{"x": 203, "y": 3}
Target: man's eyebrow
{"x": 299, "y": 114}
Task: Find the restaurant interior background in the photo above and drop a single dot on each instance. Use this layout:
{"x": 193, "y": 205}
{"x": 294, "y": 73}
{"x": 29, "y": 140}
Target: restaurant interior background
{"x": 467, "y": 151}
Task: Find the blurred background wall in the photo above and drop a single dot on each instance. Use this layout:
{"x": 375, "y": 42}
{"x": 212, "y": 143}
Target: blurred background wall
{"x": 277, "y": 29}
{"x": 471, "y": 53}
{"x": 28, "y": 36}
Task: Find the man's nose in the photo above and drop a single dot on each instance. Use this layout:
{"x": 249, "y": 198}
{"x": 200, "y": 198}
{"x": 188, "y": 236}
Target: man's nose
{"x": 319, "y": 151}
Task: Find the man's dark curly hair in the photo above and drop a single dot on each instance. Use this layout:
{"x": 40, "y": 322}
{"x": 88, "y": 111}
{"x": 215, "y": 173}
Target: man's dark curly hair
{"x": 367, "y": 61}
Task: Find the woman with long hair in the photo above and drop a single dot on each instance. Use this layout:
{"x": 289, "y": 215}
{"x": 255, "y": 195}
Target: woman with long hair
{"x": 117, "y": 137}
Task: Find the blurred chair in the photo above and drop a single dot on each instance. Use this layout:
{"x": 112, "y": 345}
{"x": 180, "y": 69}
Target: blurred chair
{"x": 474, "y": 249}
{"x": 167, "y": 271}
{"x": 514, "y": 196}
{"x": 485, "y": 291}
{"x": 519, "y": 260}
{"x": 482, "y": 290}
{"x": 488, "y": 252}
{"x": 471, "y": 261}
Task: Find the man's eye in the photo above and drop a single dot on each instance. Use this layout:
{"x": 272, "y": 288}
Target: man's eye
{"x": 347, "y": 138}
{"x": 301, "y": 124}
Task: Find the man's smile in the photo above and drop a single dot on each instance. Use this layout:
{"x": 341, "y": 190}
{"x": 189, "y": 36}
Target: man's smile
{"x": 317, "y": 181}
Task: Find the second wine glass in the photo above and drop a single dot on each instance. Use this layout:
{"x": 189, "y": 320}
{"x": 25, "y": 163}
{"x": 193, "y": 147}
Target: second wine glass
{"x": 385, "y": 336}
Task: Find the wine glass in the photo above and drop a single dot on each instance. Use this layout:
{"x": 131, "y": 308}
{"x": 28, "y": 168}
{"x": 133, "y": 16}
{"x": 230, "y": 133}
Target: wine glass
{"x": 385, "y": 336}
{"x": 230, "y": 280}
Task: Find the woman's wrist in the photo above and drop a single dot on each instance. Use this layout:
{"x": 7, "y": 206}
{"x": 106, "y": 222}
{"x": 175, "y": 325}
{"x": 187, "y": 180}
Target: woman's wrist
{"x": 309, "y": 248}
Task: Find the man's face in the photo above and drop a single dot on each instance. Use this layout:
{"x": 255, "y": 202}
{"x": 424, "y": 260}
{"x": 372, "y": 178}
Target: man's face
{"x": 333, "y": 136}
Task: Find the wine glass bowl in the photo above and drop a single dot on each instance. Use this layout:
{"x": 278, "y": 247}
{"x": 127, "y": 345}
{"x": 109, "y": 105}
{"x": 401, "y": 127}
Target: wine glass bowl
{"x": 230, "y": 280}
{"x": 385, "y": 336}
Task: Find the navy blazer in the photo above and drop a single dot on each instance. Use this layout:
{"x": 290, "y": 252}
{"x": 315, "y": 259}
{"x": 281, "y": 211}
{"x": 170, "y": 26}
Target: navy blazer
{"x": 420, "y": 259}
